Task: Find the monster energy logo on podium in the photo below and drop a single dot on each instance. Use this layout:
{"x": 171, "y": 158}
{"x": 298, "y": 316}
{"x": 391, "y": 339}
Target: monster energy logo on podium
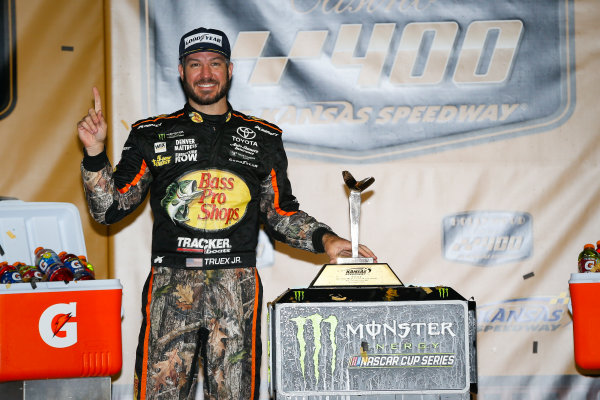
{"x": 316, "y": 320}
{"x": 315, "y": 345}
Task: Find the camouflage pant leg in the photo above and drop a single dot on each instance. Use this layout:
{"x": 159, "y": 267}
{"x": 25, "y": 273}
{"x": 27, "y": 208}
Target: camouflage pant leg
{"x": 195, "y": 317}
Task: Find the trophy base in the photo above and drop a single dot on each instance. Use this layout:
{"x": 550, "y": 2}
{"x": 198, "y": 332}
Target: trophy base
{"x": 354, "y": 260}
{"x": 356, "y": 274}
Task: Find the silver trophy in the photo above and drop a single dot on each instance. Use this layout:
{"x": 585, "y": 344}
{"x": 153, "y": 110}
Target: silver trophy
{"x": 355, "y": 271}
{"x": 356, "y": 188}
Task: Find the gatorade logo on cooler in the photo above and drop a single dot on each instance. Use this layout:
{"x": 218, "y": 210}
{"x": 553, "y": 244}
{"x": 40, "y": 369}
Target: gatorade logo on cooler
{"x": 57, "y": 327}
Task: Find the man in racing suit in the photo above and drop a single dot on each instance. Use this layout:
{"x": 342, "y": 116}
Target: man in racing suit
{"x": 214, "y": 174}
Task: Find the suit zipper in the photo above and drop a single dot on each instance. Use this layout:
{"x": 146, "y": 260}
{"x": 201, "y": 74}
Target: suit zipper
{"x": 216, "y": 144}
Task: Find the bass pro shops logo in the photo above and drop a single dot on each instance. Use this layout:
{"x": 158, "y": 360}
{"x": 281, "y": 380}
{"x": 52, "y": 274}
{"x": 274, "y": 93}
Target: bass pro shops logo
{"x": 57, "y": 326}
{"x": 207, "y": 200}
{"x": 314, "y": 335}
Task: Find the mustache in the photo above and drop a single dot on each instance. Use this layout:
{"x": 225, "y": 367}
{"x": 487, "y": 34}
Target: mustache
{"x": 205, "y": 81}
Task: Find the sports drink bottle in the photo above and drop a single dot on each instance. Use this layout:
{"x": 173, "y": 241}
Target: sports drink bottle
{"x": 71, "y": 261}
{"x": 51, "y": 266}
{"x": 589, "y": 260}
{"x": 9, "y": 274}
{"x": 29, "y": 273}
{"x": 86, "y": 264}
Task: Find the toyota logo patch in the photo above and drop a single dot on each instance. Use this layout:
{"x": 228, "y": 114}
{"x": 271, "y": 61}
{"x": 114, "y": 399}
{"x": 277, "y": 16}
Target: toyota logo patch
{"x": 246, "y": 133}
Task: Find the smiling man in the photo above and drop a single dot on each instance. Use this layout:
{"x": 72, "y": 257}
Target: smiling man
{"x": 214, "y": 174}
{"x": 206, "y": 76}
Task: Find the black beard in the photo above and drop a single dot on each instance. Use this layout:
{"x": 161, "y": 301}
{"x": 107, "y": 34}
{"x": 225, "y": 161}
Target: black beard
{"x": 206, "y": 101}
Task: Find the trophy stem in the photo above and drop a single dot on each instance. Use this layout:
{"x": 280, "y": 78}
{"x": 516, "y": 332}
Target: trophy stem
{"x": 354, "y": 219}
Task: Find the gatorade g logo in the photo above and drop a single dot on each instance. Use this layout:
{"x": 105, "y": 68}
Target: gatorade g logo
{"x": 207, "y": 200}
{"x": 57, "y": 327}
{"x": 589, "y": 265}
{"x": 317, "y": 322}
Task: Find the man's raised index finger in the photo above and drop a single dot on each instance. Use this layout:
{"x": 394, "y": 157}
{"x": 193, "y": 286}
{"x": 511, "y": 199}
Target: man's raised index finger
{"x": 97, "y": 100}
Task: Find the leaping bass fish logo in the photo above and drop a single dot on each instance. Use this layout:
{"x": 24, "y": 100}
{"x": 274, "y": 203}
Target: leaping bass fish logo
{"x": 207, "y": 200}
{"x": 178, "y": 197}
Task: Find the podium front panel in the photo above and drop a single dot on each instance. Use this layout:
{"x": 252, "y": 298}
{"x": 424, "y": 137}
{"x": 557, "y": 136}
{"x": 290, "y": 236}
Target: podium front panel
{"x": 370, "y": 348}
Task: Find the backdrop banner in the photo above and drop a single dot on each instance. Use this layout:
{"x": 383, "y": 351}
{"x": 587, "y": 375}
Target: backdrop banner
{"x": 372, "y": 80}
{"x": 470, "y": 118}
{"x": 476, "y": 119}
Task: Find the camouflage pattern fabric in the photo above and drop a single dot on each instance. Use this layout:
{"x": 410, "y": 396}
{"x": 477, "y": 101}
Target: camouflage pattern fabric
{"x": 296, "y": 229}
{"x": 100, "y": 191}
{"x": 200, "y": 320}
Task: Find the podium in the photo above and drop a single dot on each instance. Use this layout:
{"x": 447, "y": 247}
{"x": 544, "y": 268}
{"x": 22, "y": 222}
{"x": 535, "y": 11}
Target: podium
{"x": 378, "y": 342}
{"x": 357, "y": 332}
{"x": 90, "y": 388}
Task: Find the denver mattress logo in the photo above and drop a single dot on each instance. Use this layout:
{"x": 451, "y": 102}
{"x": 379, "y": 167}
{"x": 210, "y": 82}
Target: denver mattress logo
{"x": 57, "y": 328}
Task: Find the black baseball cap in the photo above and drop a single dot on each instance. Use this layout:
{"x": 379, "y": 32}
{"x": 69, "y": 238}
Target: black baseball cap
{"x": 203, "y": 39}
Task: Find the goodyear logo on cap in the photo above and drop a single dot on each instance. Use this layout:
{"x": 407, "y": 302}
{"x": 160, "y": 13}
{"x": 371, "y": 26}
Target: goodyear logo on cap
{"x": 203, "y": 38}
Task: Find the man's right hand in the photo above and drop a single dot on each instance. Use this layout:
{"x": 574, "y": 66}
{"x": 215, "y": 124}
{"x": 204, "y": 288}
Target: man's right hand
{"x": 92, "y": 128}
{"x": 336, "y": 246}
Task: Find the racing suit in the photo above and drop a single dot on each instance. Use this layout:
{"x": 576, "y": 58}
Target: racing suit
{"x": 212, "y": 180}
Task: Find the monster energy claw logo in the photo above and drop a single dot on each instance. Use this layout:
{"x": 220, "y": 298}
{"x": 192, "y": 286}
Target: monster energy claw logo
{"x": 317, "y": 321}
{"x": 443, "y": 292}
{"x": 298, "y": 295}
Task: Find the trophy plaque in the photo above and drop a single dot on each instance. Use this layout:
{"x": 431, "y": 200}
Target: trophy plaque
{"x": 355, "y": 270}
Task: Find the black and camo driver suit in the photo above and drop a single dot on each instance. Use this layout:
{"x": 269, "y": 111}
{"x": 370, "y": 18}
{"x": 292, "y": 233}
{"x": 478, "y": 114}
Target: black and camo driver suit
{"x": 212, "y": 180}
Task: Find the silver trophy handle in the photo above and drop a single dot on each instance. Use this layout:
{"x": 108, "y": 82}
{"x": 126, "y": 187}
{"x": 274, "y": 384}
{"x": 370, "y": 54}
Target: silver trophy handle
{"x": 354, "y": 199}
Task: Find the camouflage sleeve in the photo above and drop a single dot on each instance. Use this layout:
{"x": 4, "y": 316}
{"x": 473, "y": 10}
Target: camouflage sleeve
{"x": 296, "y": 228}
{"x": 107, "y": 203}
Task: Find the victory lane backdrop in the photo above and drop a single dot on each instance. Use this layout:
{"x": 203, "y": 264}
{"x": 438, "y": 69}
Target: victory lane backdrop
{"x": 476, "y": 119}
